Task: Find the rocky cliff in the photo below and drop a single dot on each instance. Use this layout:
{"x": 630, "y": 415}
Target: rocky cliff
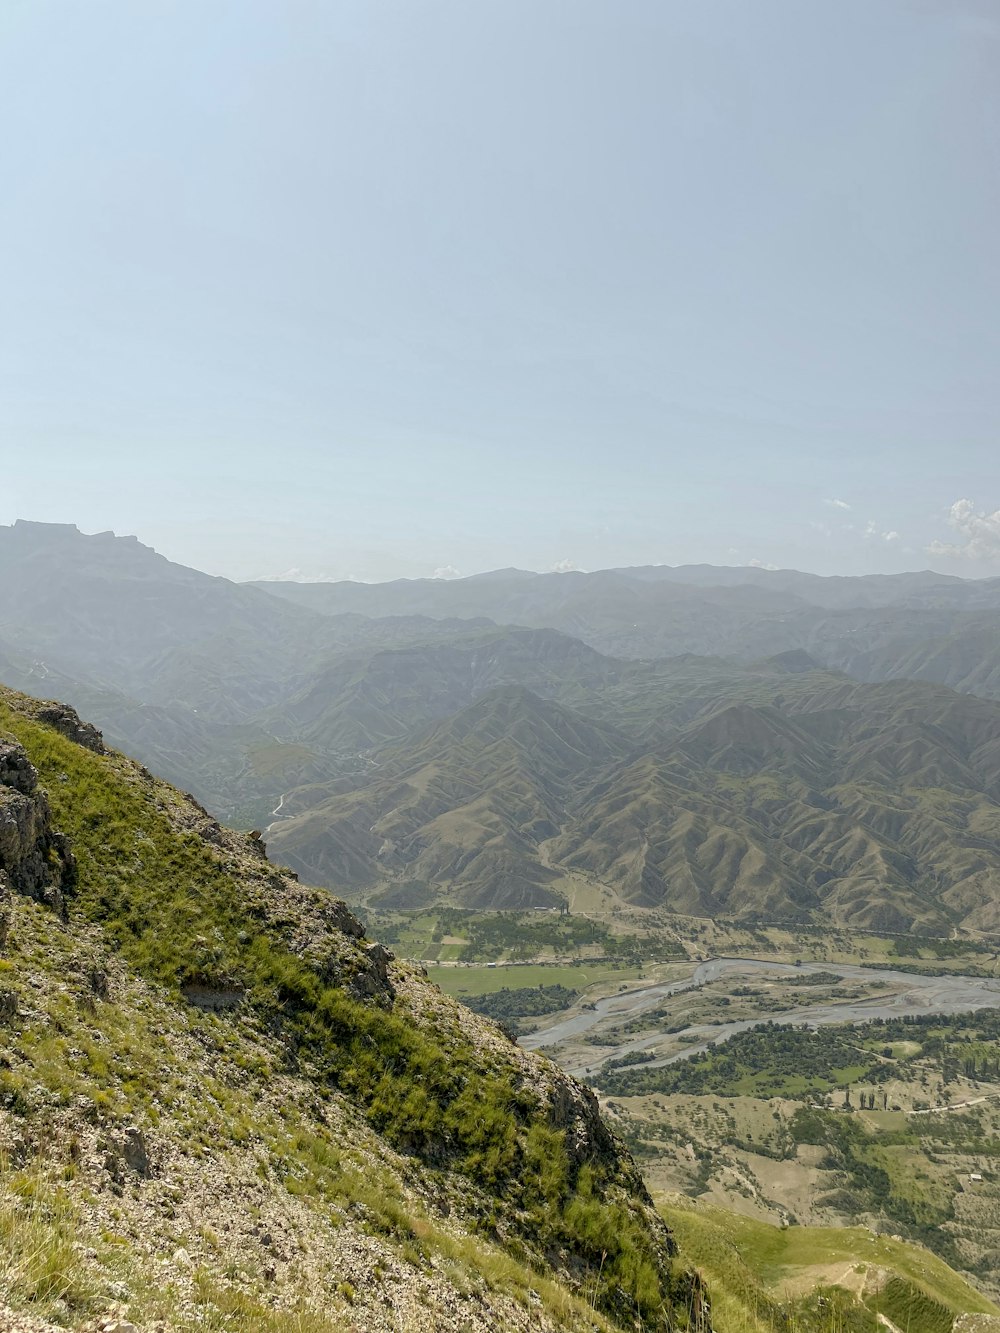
{"x": 34, "y": 858}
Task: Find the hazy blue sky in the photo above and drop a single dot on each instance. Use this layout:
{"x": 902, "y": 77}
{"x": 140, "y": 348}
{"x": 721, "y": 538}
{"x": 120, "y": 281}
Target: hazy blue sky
{"x": 381, "y": 288}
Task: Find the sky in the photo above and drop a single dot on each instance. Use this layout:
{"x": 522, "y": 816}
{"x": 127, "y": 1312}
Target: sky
{"x": 380, "y": 288}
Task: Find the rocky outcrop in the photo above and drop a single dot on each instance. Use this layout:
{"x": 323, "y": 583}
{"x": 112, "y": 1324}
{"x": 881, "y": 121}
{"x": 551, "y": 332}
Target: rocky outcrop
{"x": 574, "y": 1108}
{"x": 4, "y": 907}
{"x": 369, "y": 978}
{"x": 320, "y": 929}
{"x": 66, "y": 721}
{"x": 34, "y": 858}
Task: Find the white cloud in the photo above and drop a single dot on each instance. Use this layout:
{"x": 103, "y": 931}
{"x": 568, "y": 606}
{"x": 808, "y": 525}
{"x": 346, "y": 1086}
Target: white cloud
{"x": 837, "y": 504}
{"x": 296, "y": 575}
{"x": 760, "y": 564}
{"x": 978, "y": 531}
{"x": 873, "y": 531}
{"x": 566, "y": 567}
{"x": 446, "y": 572}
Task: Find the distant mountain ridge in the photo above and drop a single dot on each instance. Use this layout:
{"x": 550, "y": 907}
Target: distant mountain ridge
{"x": 835, "y": 591}
{"x": 927, "y": 625}
{"x": 750, "y": 742}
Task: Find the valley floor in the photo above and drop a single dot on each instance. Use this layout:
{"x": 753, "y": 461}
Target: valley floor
{"x": 904, "y": 1134}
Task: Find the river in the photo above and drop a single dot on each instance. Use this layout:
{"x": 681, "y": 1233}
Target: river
{"x": 909, "y": 994}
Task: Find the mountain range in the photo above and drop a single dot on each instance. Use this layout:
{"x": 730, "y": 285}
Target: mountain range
{"x": 764, "y": 744}
{"x": 793, "y": 798}
{"x": 222, "y": 1106}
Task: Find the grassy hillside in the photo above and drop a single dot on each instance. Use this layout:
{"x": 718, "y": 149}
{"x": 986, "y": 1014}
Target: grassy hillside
{"x": 195, "y": 1027}
{"x": 469, "y": 801}
{"x": 783, "y": 793}
{"x": 766, "y": 1279}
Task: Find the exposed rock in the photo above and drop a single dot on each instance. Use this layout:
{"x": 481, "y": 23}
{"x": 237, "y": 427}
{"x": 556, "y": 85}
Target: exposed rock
{"x": 135, "y": 1152}
{"x": 114, "y": 1164}
{"x": 16, "y": 770}
{"x": 36, "y": 860}
{"x": 574, "y": 1108}
{"x": 65, "y": 720}
{"x": 99, "y": 980}
{"x": 127, "y": 1152}
{"x": 363, "y": 971}
{"x": 115, "y": 1324}
{"x": 214, "y": 999}
{"x": 4, "y": 907}
{"x": 379, "y": 958}
{"x": 344, "y": 920}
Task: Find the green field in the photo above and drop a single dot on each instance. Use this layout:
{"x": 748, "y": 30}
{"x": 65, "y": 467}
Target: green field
{"x": 482, "y": 980}
{"x": 452, "y": 934}
{"x": 767, "y": 1061}
{"x": 636, "y": 935}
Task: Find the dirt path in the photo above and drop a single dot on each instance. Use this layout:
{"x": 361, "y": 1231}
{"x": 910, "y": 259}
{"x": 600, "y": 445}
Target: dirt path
{"x": 955, "y": 1106}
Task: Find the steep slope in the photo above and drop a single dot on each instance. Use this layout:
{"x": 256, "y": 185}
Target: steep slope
{"x": 765, "y": 1279}
{"x": 223, "y": 1107}
{"x": 873, "y": 806}
{"x": 109, "y": 611}
{"x": 178, "y": 667}
{"x": 958, "y": 650}
{"x": 362, "y": 700}
{"x": 467, "y": 804}
{"x": 778, "y": 793}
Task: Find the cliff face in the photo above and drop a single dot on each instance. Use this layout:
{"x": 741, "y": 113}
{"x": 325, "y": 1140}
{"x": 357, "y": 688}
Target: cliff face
{"x": 269, "y": 1114}
{"x": 34, "y": 858}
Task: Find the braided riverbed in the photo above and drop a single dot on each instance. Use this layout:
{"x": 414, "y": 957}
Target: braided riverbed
{"x": 899, "y": 994}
